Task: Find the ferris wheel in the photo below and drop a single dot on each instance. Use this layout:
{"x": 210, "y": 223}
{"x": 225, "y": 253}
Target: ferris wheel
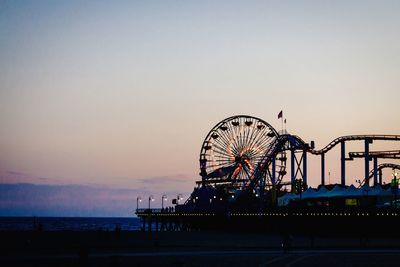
{"x": 235, "y": 150}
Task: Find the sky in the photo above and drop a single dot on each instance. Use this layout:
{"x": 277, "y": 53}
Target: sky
{"x": 100, "y": 96}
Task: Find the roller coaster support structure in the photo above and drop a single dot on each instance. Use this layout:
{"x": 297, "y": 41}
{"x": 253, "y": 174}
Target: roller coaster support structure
{"x": 323, "y": 169}
{"x": 343, "y": 162}
{"x": 384, "y": 165}
{"x": 342, "y": 141}
{"x": 376, "y": 173}
{"x": 298, "y": 166}
{"x": 305, "y": 166}
{"x": 367, "y": 158}
{"x": 292, "y": 173}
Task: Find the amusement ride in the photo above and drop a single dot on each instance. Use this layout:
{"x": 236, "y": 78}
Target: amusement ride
{"x": 244, "y": 170}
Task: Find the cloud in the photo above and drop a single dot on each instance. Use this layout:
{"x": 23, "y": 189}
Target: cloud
{"x": 12, "y": 176}
{"x": 17, "y": 173}
{"x": 25, "y": 194}
{"x": 165, "y": 179}
{"x": 65, "y": 200}
{"x": 171, "y": 185}
{"x": 26, "y": 199}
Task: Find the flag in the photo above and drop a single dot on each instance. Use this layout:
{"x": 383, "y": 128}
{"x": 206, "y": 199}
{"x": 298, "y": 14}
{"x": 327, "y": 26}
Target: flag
{"x": 280, "y": 114}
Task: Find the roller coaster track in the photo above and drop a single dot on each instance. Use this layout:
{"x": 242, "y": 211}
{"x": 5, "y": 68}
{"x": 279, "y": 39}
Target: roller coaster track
{"x": 388, "y": 154}
{"x": 354, "y": 138}
{"x": 297, "y": 143}
{"x": 385, "y": 166}
{"x": 301, "y": 144}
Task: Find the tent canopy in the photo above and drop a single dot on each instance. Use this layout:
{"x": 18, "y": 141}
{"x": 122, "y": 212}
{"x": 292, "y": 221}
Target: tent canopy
{"x": 337, "y": 191}
{"x": 309, "y": 193}
{"x": 321, "y": 193}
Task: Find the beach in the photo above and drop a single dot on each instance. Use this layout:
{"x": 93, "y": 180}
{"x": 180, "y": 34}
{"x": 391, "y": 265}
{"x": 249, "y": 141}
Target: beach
{"x": 122, "y": 248}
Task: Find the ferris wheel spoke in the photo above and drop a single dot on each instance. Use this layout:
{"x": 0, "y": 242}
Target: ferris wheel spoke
{"x": 243, "y": 135}
{"x": 236, "y": 146}
{"x": 222, "y": 154}
{"x": 222, "y": 139}
{"x": 219, "y": 165}
{"x": 256, "y": 137}
{"x": 233, "y": 142}
{"x": 223, "y": 134}
{"x": 221, "y": 142}
{"x": 249, "y": 135}
{"x": 251, "y": 153}
{"x": 246, "y": 134}
{"x": 222, "y": 158}
{"x": 264, "y": 142}
{"x": 260, "y": 139}
{"x": 222, "y": 162}
{"x": 221, "y": 145}
{"x": 242, "y": 142}
{"x": 213, "y": 167}
{"x": 239, "y": 142}
{"x": 246, "y": 131}
{"x": 253, "y": 131}
{"x": 233, "y": 135}
{"x": 227, "y": 135}
{"x": 220, "y": 148}
{"x": 219, "y": 155}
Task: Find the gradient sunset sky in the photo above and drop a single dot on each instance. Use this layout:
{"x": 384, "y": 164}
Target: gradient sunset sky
{"x": 104, "y": 96}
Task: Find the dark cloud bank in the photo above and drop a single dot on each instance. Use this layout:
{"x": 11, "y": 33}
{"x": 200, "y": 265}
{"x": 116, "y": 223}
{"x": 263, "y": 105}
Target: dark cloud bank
{"x": 66, "y": 200}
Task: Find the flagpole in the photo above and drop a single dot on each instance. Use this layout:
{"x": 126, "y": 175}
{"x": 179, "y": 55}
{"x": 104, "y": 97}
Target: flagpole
{"x": 280, "y": 116}
{"x": 285, "y": 125}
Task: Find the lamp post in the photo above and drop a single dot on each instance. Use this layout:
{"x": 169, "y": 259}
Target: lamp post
{"x": 138, "y": 199}
{"x": 164, "y": 197}
{"x": 151, "y": 198}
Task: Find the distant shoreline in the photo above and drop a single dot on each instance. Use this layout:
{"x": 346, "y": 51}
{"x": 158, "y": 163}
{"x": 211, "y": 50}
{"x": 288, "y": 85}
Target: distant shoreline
{"x": 33, "y": 223}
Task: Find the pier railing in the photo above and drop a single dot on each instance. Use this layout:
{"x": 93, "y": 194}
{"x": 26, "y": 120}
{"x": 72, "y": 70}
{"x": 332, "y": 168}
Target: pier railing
{"x": 153, "y": 211}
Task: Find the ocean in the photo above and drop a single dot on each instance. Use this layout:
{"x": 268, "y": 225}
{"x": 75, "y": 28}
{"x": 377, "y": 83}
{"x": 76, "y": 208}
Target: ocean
{"x": 68, "y": 224}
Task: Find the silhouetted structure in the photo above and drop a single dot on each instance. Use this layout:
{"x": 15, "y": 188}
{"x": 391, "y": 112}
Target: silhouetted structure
{"x": 244, "y": 174}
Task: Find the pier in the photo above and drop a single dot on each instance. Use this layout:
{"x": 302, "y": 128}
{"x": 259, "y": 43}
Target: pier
{"x": 246, "y": 167}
